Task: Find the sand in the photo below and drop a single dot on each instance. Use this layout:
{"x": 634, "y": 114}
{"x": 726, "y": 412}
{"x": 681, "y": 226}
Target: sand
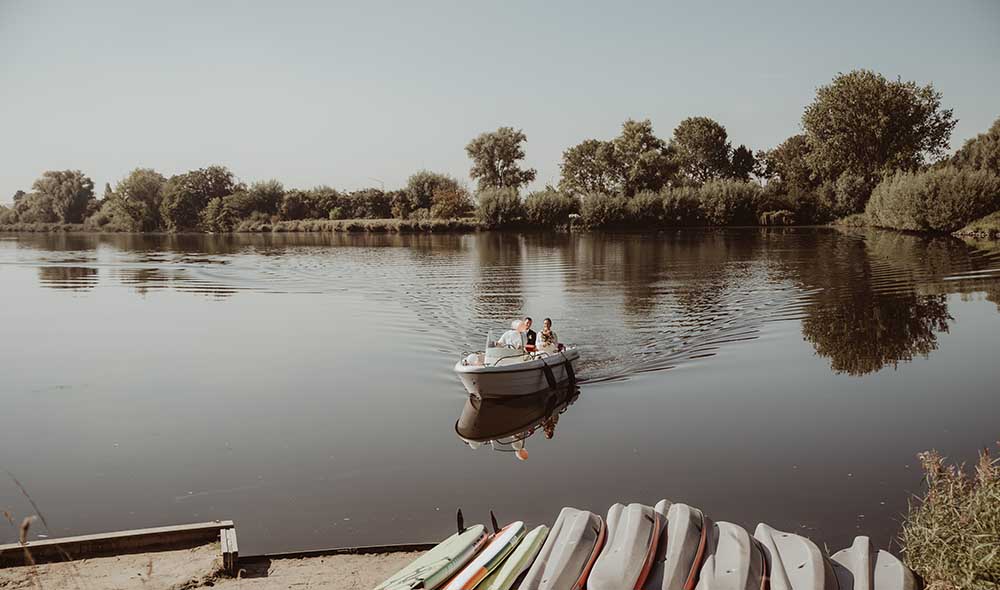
{"x": 201, "y": 568}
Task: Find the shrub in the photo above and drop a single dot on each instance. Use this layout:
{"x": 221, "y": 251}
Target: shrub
{"x": 449, "y": 202}
{"x": 851, "y": 193}
{"x": 729, "y": 202}
{"x": 951, "y": 536}
{"x": 499, "y": 207}
{"x": 7, "y": 215}
{"x": 550, "y": 208}
{"x": 942, "y": 199}
{"x": 603, "y": 210}
{"x": 646, "y": 209}
{"x": 369, "y": 203}
{"x": 682, "y": 206}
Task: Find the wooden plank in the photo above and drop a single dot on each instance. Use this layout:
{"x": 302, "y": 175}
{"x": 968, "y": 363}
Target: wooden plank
{"x": 234, "y": 550}
{"x": 227, "y": 555}
{"x": 113, "y": 543}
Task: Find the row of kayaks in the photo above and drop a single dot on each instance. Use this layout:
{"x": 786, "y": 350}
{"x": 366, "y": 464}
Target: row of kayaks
{"x": 639, "y": 547}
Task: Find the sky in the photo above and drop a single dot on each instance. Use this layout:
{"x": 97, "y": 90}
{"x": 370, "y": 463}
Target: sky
{"x": 364, "y": 93}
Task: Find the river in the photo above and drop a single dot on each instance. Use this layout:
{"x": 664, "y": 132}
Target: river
{"x": 302, "y": 385}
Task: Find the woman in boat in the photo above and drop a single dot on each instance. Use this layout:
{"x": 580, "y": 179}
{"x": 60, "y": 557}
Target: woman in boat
{"x": 548, "y": 340}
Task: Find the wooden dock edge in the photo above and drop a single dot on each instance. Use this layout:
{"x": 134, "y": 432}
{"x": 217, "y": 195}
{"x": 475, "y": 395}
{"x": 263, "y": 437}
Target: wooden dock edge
{"x": 123, "y": 542}
{"x": 363, "y": 550}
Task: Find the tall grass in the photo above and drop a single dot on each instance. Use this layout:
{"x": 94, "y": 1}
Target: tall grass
{"x": 951, "y": 535}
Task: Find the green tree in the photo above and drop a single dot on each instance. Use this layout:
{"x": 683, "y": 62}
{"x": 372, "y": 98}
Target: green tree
{"x": 496, "y": 159}
{"x": 185, "y": 195}
{"x": 702, "y": 149}
{"x": 789, "y": 164}
{"x": 633, "y": 162}
{"x": 646, "y": 160}
{"x": 139, "y": 196}
{"x": 591, "y": 166}
{"x": 420, "y": 189}
{"x": 867, "y": 125}
{"x": 744, "y": 164}
{"x": 69, "y": 191}
{"x": 981, "y": 152}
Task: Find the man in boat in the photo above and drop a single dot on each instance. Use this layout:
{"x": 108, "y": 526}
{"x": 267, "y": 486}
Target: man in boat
{"x": 529, "y": 335}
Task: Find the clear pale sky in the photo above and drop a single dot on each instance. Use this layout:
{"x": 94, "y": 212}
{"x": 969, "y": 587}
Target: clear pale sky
{"x": 343, "y": 93}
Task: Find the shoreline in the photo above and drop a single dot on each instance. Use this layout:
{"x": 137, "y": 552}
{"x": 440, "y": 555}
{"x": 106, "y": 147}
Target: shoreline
{"x": 459, "y": 226}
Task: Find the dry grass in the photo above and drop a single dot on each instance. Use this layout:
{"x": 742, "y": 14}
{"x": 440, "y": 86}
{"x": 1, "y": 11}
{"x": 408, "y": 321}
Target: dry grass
{"x": 951, "y": 535}
{"x": 361, "y": 225}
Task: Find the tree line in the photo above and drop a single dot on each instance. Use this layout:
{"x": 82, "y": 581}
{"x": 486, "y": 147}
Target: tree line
{"x": 872, "y": 150}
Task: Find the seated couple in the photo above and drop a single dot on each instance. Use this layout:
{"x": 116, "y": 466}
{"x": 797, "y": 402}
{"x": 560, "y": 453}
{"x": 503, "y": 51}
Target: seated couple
{"x": 522, "y": 336}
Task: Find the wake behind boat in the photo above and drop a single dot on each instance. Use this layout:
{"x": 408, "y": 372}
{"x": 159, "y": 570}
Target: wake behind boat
{"x": 505, "y": 370}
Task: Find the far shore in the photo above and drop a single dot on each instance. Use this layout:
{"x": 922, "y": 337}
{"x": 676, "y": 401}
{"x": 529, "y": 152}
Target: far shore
{"x": 987, "y": 228}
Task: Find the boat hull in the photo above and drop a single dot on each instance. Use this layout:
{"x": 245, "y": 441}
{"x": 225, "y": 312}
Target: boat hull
{"x": 516, "y": 379}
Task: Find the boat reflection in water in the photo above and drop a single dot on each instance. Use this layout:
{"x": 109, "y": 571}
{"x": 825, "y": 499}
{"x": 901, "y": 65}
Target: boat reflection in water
{"x": 505, "y": 423}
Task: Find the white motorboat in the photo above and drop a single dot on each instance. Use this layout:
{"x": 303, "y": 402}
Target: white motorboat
{"x": 504, "y": 371}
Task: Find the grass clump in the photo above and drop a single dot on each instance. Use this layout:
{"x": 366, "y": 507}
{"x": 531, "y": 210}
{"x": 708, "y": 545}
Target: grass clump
{"x": 951, "y": 535}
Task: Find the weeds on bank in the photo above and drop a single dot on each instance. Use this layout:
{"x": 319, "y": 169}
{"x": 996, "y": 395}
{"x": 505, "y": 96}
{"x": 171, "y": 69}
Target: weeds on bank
{"x": 951, "y": 535}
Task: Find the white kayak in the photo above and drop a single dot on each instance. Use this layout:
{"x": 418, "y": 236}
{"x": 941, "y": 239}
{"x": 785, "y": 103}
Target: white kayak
{"x": 796, "y": 562}
{"x": 518, "y": 562}
{"x": 682, "y": 548}
{"x": 628, "y": 554}
{"x": 505, "y": 372}
{"x": 736, "y": 561}
{"x": 569, "y": 552}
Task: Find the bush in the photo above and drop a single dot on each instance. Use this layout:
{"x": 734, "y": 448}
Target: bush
{"x": 951, "y": 536}
{"x": 603, "y": 210}
{"x": 851, "y": 193}
{"x": 942, "y": 199}
{"x": 682, "y": 206}
{"x": 7, "y": 215}
{"x": 646, "y": 209}
{"x": 550, "y": 208}
{"x": 450, "y": 202}
{"x": 499, "y": 207}
{"x": 730, "y": 202}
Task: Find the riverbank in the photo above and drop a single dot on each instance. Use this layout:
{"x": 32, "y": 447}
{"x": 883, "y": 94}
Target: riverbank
{"x": 201, "y": 567}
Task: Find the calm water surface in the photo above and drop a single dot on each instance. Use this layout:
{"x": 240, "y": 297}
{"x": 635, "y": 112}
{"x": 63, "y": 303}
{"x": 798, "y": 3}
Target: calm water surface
{"x": 302, "y": 384}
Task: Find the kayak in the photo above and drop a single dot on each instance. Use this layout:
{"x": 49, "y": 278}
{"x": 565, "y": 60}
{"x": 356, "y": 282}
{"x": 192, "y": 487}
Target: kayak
{"x": 628, "y": 554}
{"x": 517, "y": 562}
{"x": 565, "y": 560}
{"x": 496, "y": 550}
{"x": 855, "y": 566}
{"x": 736, "y": 561}
{"x": 682, "y": 548}
{"x": 796, "y": 562}
{"x": 891, "y": 574}
{"x": 433, "y": 568}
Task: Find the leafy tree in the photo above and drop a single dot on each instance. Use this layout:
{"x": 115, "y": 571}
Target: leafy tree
{"x": 69, "y": 191}
{"x": 789, "y": 164}
{"x": 591, "y": 166}
{"x": 369, "y": 203}
{"x": 867, "y": 125}
{"x": 633, "y": 162}
{"x": 19, "y": 195}
{"x": 138, "y": 197}
{"x": 495, "y": 159}
{"x": 702, "y": 149}
{"x": 981, "y": 152}
{"x": 185, "y": 195}
{"x": 645, "y": 159}
{"x": 744, "y": 164}
{"x": 7, "y": 215}
{"x": 420, "y": 189}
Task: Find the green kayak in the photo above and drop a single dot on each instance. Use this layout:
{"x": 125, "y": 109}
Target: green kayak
{"x": 433, "y": 568}
{"x": 517, "y": 562}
